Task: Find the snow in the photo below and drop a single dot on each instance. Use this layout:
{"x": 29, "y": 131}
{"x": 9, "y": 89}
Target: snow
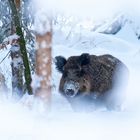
{"x": 35, "y": 81}
{"x": 42, "y": 24}
{"x": 95, "y": 9}
{"x": 129, "y": 34}
{"x": 20, "y": 122}
{"x": 26, "y": 120}
{"x": 5, "y": 66}
{"x": 10, "y": 38}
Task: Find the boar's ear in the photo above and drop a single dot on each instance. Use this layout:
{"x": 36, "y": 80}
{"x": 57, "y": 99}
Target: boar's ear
{"x": 60, "y": 61}
{"x": 84, "y": 59}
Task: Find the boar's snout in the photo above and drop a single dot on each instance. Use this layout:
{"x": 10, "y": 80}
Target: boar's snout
{"x": 71, "y": 88}
{"x": 70, "y": 92}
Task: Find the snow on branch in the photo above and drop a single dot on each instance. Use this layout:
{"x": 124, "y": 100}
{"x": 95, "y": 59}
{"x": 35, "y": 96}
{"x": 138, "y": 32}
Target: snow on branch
{"x": 12, "y": 40}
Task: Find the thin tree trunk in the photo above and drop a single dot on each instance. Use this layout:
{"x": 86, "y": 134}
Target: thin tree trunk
{"x": 17, "y": 71}
{"x": 15, "y": 4}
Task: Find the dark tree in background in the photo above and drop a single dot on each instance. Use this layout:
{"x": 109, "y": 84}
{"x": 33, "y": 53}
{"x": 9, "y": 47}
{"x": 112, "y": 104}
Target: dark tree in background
{"x": 19, "y": 56}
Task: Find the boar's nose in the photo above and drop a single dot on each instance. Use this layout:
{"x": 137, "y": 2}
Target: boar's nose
{"x": 70, "y": 92}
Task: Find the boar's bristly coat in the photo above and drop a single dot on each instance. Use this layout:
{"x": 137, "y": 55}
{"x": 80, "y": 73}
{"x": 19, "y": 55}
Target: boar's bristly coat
{"x": 92, "y": 79}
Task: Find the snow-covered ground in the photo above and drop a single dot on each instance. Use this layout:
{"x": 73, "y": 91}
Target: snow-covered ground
{"x": 17, "y": 122}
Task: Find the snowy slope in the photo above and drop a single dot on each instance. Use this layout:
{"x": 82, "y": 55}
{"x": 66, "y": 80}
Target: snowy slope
{"x": 111, "y": 26}
{"x": 18, "y": 122}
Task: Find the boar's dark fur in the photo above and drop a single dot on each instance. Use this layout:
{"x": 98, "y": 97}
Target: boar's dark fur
{"x": 92, "y": 79}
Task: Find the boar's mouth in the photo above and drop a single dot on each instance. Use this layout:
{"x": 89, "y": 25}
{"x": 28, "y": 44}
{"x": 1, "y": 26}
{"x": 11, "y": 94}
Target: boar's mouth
{"x": 71, "y": 88}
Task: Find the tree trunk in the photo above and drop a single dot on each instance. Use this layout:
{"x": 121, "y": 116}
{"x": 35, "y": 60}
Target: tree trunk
{"x": 15, "y": 6}
{"x": 17, "y": 71}
{"x": 43, "y": 65}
